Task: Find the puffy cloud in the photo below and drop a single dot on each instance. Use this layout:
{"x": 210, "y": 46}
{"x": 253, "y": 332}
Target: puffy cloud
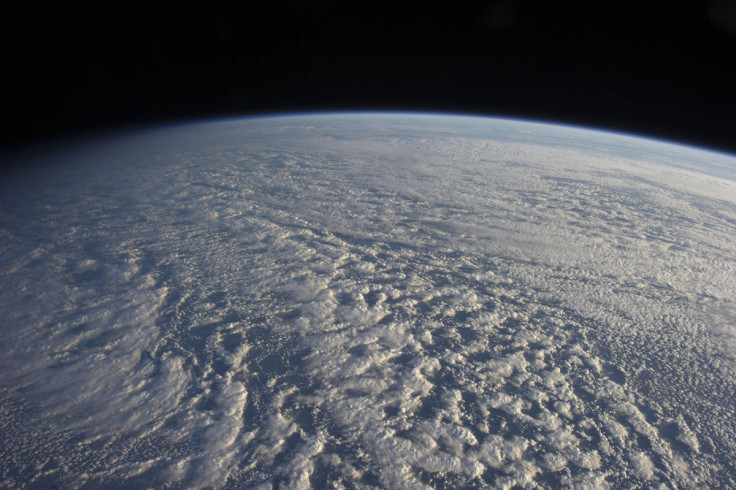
{"x": 283, "y": 302}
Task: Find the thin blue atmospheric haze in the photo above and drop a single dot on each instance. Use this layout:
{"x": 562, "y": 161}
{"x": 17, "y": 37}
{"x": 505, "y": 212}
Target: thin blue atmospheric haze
{"x": 369, "y": 300}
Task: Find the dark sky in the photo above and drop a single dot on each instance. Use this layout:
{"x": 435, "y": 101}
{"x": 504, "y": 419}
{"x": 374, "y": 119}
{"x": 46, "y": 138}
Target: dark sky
{"x": 619, "y": 65}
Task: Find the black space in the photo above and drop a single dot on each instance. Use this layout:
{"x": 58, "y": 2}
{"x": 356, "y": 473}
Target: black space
{"x": 666, "y": 72}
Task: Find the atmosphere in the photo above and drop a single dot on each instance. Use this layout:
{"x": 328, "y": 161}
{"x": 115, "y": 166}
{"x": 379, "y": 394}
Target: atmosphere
{"x": 642, "y": 67}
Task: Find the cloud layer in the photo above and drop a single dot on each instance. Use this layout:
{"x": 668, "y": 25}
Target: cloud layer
{"x": 393, "y": 301}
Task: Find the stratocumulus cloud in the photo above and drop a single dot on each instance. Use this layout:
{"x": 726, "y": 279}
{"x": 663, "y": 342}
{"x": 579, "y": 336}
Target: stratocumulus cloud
{"x": 393, "y": 301}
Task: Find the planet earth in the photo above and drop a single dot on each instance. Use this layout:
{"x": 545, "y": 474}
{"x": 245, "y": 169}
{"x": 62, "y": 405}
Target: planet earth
{"x": 368, "y": 300}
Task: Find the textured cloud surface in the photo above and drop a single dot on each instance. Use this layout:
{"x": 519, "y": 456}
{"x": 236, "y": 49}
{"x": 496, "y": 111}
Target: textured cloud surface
{"x": 370, "y": 301}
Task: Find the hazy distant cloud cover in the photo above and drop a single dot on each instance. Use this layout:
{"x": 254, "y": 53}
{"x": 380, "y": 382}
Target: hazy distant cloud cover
{"x": 370, "y": 301}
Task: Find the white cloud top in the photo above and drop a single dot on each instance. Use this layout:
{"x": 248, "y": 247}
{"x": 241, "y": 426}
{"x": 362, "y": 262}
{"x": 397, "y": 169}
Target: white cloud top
{"x": 376, "y": 300}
